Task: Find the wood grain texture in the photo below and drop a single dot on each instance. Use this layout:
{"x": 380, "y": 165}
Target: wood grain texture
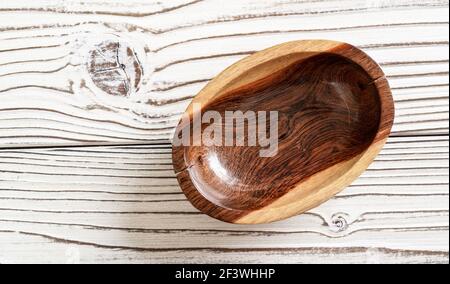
{"x": 49, "y": 97}
{"x": 335, "y": 112}
{"x": 122, "y": 204}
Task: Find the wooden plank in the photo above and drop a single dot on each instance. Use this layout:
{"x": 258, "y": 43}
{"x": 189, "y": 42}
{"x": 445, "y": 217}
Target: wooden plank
{"x": 116, "y": 203}
{"x": 28, "y": 247}
{"x": 49, "y": 96}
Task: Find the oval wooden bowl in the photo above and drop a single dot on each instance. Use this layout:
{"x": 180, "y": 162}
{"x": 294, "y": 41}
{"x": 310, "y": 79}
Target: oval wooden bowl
{"x": 335, "y": 114}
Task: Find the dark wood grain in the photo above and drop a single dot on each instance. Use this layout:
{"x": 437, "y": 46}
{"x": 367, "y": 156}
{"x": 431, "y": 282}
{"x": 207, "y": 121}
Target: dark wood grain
{"x": 331, "y": 110}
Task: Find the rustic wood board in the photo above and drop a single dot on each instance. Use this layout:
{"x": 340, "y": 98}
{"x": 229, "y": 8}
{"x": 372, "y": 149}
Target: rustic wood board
{"x": 85, "y": 166}
{"x": 48, "y": 96}
{"x": 118, "y": 204}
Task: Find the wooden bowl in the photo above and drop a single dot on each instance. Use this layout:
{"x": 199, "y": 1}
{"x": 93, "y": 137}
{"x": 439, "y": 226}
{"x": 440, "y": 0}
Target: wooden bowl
{"x": 335, "y": 114}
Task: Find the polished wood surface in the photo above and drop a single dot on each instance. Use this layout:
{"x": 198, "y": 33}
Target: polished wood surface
{"x": 335, "y": 112}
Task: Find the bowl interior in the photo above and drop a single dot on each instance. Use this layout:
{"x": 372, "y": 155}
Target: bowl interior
{"x": 328, "y": 112}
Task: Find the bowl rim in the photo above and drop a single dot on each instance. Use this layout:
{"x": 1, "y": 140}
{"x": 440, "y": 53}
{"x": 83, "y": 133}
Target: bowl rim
{"x": 280, "y": 208}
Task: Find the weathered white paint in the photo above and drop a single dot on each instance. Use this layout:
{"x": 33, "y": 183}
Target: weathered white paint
{"x": 122, "y": 203}
{"x": 48, "y": 96}
{"x": 127, "y": 197}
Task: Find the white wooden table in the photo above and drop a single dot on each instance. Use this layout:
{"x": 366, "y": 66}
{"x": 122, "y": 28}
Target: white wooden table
{"x": 85, "y": 157}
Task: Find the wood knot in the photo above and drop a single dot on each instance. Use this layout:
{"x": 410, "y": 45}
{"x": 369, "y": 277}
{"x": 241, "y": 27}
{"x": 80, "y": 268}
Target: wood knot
{"x": 338, "y": 223}
{"x": 115, "y": 68}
